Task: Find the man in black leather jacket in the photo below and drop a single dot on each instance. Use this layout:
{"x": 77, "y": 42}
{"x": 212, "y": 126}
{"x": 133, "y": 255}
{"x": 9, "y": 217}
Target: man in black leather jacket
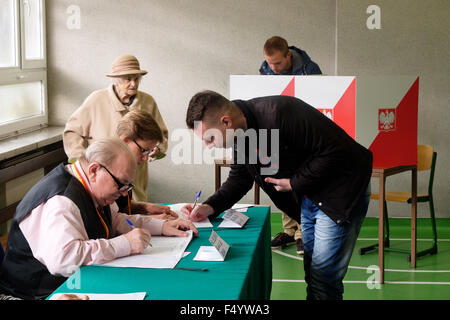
{"x": 303, "y": 161}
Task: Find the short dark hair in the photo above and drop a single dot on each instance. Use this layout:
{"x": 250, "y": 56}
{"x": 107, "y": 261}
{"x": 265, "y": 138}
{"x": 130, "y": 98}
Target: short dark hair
{"x": 276, "y": 44}
{"x": 203, "y": 102}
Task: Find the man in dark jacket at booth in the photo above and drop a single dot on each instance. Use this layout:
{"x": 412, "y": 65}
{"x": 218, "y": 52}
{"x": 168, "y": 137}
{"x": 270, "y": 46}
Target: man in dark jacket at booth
{"x": 286, "y": 60}
{"x": 303, "y": 161}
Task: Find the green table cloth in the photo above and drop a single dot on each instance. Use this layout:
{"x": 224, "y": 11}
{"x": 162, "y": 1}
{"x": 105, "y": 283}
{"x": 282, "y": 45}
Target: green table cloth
{"x": 246, "y": 273}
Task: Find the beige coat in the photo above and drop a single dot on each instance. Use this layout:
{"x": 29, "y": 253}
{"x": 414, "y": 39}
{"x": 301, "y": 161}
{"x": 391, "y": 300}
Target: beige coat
{"x": 98, "y": 117}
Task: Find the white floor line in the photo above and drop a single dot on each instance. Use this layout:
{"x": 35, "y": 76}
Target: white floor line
{"x": 403, "y": 239}
{"x": 287, "y": 255}
{"x": 366, "y": 268}
{"x": 417, "y": 282}
{"x": 365, "y": 282}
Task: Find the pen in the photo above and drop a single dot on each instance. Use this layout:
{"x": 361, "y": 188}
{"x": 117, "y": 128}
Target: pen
{"x": 196, "y": 199}
{"x": 132, "y": 226}
{"x": 191, "y": 269}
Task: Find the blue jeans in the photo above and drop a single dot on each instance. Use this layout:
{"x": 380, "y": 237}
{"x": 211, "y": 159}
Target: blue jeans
{"x": 328, "y": 248}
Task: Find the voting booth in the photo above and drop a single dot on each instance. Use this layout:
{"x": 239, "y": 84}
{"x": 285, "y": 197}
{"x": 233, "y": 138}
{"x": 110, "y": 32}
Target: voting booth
{"x": 380, "y": 112}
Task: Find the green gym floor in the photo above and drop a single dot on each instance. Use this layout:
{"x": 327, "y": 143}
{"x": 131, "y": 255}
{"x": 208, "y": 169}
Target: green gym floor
{"x": 429, "y": 280}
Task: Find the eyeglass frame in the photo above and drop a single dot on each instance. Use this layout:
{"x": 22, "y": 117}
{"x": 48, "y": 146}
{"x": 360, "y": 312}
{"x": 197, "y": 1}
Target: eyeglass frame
{"x": 120, "y": 186}
{"x": 144, "y": 151}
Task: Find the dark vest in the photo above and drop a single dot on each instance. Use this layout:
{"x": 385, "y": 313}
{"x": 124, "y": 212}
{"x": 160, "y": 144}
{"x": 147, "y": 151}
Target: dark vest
{"x": 23, "y": 276}
{"x": 122, "y": 203}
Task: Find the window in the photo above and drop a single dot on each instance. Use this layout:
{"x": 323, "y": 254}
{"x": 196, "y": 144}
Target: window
{"x": 23, "y": 66}
{"x": 8, "y": 23}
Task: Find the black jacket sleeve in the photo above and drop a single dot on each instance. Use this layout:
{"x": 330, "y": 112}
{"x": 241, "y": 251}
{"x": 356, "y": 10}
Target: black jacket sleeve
{"x": 238, "y": 183}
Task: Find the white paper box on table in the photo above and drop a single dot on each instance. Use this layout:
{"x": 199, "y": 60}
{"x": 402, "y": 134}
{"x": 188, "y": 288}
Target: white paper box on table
{"x": 232, "y": 218}
{"x": 380, "y": 112}
{"x": 217, "y": 252}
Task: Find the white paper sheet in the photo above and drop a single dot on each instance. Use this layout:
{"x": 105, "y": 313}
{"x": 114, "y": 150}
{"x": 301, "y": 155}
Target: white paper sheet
{"x": 201, "y": 224}
{"x": 242, "y": 207}
{"x": 208, "y": 253}
{"x": 165, "y": 253}
{"x": 108, "y": 296}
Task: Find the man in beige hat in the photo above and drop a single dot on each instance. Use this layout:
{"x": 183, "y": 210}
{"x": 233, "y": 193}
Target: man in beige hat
{"x": 102, "y": 110}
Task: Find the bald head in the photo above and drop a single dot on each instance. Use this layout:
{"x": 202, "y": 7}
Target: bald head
{"x": 110, "y": 168}
{"x": 107, "y": 151}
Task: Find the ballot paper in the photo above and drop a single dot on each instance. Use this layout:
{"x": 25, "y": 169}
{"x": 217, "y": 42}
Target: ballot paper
{"x": 217, "y": 252}
{"x": 164, "y": 253}
{"x": 242, "y": 207}
{"x": 107, "y": 296}
{"x": 200, "y": 224}
{"x": 233, "y": 219}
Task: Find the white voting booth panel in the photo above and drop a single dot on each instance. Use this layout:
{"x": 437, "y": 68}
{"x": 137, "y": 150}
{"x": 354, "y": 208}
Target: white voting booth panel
{"x": 380, "y": 112}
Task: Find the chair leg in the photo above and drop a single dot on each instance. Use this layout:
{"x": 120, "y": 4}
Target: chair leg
{"x": 433, "y": 226}
{"x": 364, "y": 250}
{"x": 433, "y": 249}
{"x": 386, "y": 224}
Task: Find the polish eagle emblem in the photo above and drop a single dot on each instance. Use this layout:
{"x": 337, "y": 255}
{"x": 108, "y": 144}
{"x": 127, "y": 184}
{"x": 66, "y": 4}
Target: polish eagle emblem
{"x": 386, "y": 119}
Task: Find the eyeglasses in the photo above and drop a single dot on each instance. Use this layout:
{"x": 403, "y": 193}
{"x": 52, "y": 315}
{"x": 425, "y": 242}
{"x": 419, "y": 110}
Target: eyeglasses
{"x": 122, "y": 187}
{"x": 143, "y": 151}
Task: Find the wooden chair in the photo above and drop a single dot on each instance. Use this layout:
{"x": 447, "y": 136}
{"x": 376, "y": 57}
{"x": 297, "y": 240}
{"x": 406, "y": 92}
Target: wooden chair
{"x": 426, "y": 160}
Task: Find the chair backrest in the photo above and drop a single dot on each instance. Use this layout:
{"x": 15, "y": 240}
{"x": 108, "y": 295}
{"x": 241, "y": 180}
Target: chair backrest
{"x": 424, "y": 157}
{"x": 426, "y": 160}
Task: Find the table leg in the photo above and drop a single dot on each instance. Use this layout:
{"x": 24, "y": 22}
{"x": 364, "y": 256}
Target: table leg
{"x": 218, "y": 177}
{"x": 413, "y": 217}
{"x": 256, "y": 193}
{"x": 381, "y": 227}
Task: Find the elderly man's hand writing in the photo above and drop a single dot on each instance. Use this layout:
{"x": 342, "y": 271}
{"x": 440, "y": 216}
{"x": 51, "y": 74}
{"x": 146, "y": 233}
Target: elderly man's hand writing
{"x": 139, "y": 239}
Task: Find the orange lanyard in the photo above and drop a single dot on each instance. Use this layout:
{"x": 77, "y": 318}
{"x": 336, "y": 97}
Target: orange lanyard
{"x": 129, "y": 204}
{"x": 75, "y": 169}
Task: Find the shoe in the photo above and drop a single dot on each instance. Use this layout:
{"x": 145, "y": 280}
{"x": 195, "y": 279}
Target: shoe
{"x": 299, "y": 244}
{"x": 281, "y": 240}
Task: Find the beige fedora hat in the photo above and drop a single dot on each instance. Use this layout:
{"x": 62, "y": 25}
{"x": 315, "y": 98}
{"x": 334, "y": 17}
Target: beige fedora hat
{"x": 126, "y": 65}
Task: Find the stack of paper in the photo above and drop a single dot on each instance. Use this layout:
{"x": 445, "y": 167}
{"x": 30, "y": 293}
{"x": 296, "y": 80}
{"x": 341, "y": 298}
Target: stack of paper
{"x": 165, "y": 253}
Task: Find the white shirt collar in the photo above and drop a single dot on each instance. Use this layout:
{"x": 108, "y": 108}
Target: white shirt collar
{"x": 77, "y": 164}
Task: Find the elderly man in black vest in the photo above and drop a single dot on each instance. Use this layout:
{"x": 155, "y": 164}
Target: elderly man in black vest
{"x": 70, "y": 219}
